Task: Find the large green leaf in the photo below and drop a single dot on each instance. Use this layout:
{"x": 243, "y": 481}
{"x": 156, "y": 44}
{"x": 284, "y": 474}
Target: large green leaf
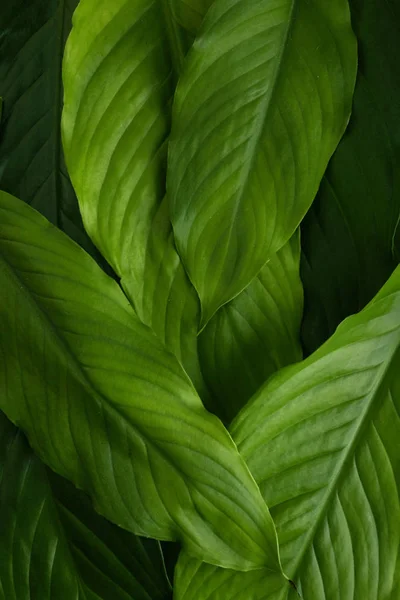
{"x": 54, "y": 546}
{"x": 105, "y": 405}
{"x": 256, "y": 333}
{"x": 120, "y": 67}
{"x": 322, "y": 440}
{"x": 348, "y": 236}
{"x": 31, "y": 159}
{"x": 263, "y": 100}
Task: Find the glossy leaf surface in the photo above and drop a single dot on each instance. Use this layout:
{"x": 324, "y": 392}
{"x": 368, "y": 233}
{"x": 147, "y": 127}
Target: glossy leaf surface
{"x": 105, "y": 405}
{"x": 53, "y": 544}
{"x": 253, "y": 130}
{"x": 321, "y": 439}
{"x": 349, "y": 237}
{"x": 31, "y": 158}
{"x": 255, "y": 334}
{"x": 116, "y": 121}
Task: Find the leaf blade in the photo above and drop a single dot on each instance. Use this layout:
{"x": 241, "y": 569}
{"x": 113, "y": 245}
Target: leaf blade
{"x": 115, "y": 124}
{"x": 40, "y": 543}
{"x": 126, "y": 423}
{"x": 349, "y": 245}
{"x": 255, "y": 334}
{"x": 224, "y": 209}
{"x": 321, "y": 441}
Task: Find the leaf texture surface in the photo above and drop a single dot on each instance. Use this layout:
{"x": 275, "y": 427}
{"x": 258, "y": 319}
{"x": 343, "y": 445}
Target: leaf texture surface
{"x": 321, "y": 439}
{"x": 256, "y": 333}
{"x": 106, "y": 406}
{"x": 262, "y": 102}
{"x": 116, "y": 122}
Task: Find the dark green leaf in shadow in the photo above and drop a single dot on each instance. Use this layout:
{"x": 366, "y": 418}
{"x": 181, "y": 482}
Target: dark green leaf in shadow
{"x": 53, "y": 546}
{"x": 31, "y": 157}
{"x": 349, "y": 240}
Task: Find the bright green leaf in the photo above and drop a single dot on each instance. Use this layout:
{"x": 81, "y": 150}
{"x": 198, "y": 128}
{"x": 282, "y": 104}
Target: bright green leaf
{"x": 262, "y": 103}
{"x": 105, "y": 405}
{"x": 255, "y": 334}
{"x": 321, "y": 439}
{"x": 348, "y": 241}
{"x": 120, "y": 68}
{"x": 54, "y": 546}
{"x": 198, "y": 581}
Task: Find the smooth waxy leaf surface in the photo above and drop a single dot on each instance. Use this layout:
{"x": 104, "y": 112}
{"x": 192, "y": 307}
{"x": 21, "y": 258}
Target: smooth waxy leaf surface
{"x": 116, "y": 121}
{"x": 253, "y": 130}
{"x": 256, "y": 333}
{"x": 31, "y": 158}
{"x": 105, "y": 405}
{"x": 349, "y": 236}
{"x": 53, "y": 544}
{"x": 321, "y": 439}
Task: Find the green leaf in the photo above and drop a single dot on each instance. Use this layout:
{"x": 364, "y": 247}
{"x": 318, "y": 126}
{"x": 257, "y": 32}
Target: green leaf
{"x": 253, "y": 130}
{"x": 190, "y": 13}
{"x": 348, "y": 237}
{"x": 321, "y": 439}
{"x": 120, "y": 68}
{"x": 52, "y": 543}
{"x": 198, "y": 581}
{"x": 31, "y": 159}
{"x": 255, "y": 334}
{"x": 105, "y": 405}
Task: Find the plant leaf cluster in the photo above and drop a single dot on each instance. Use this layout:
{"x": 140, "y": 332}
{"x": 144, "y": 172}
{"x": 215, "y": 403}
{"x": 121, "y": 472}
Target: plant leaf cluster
{"x": 199, "y": 300}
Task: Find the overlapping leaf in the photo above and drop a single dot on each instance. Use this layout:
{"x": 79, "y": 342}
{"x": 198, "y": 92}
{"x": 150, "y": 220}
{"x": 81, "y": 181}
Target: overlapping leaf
{"x": 189, "y": 14}
{"x": 105, "y": 405}
{"x": 52, "y": 543}
{"x": 349, "y": 236}
{"x": 261, "y": 105}
{"x": 31, "y": 158}
{"x": 256, "y": 333}
{"x": 321, "y": 439}
{"x": 120, "y": 68}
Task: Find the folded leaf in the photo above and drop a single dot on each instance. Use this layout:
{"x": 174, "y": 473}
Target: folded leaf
{"x": 31, "y": 158}
{"x": 120, "y": 67}
{"x": 52, "y": 543}
{"x": 321, "y": 439}
{"x": 105, "y": 405}
{"x": 349, "y": 236}
{"x": 253, "y": 130}
{"x": 255, "y": 334}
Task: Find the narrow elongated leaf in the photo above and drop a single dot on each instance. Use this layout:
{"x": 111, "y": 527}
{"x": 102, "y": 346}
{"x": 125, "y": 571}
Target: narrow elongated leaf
{"x": 31, "y": 158}
{"x": 321, "y": 439}
{"x": 105, "y": 405}
{"x": 262, "y": 103}
{"x": 349, "y": 242}
{"x": 120, "y": 67}
{"x": 256, "y": 333}
{"x": 52, "y": 543}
